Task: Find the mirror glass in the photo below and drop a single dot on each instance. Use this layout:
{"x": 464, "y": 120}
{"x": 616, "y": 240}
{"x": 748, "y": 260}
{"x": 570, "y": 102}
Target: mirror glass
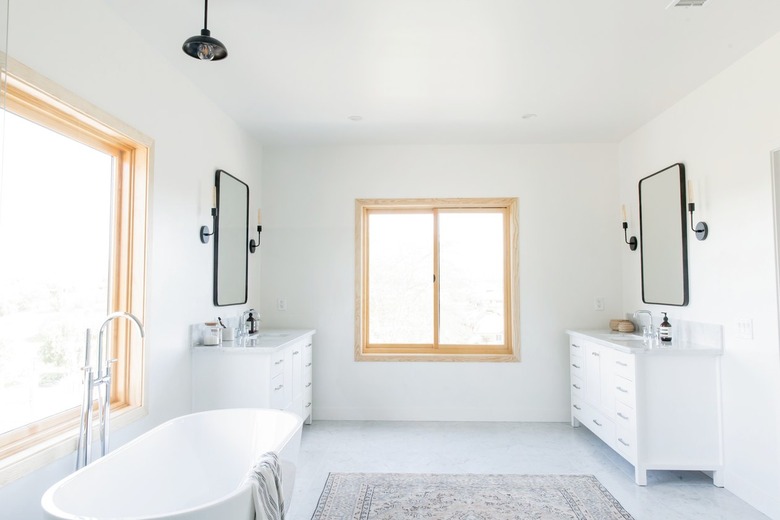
{"x": 663, "y": 237}
{"x": 231, "y": 240}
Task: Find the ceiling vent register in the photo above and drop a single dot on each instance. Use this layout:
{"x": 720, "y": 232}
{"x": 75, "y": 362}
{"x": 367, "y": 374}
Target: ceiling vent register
{"x": 687, "y": 3}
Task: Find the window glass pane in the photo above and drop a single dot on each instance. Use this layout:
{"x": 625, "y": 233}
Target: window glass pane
{"x": 55, "y": 219}
{"x": 400, "y": 297}
{"x": 471, "y": 257}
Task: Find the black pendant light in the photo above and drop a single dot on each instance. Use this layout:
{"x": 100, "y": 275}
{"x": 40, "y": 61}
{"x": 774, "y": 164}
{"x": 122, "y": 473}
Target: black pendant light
{"x": 204, "y": 47}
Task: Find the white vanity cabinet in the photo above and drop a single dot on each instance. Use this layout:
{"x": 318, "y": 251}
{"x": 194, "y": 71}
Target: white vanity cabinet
{"x": 273, "y": 370}
{"x": 659, "y": 408}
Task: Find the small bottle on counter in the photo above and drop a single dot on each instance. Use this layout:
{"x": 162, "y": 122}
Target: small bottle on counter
{"x": 251, "y": 324}
{"x": 665, "y": 330}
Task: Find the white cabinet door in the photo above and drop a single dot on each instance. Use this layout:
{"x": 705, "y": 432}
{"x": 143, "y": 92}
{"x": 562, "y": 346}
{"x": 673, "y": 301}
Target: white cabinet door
{"x": 593, "y": 374}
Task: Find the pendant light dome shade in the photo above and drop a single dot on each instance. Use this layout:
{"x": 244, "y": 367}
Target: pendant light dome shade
{"x": 203, "y": 46}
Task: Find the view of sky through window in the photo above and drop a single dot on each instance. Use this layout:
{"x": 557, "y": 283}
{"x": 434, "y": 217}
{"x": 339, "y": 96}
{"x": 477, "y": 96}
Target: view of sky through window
{"x": 55, "y": 219}
{"x": 471, "y": 278}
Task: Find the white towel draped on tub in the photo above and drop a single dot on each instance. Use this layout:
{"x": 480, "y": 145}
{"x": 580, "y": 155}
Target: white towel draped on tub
{"x": 265, "y": 480}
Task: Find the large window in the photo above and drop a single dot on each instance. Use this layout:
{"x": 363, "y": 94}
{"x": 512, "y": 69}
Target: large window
{"x": 73, "y": 220}
{"x": 436, "y": 279}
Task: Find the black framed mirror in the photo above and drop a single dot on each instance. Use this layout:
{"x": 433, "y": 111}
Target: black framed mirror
{"x": 663, "y": 237}
{"x": 231, "y": 240}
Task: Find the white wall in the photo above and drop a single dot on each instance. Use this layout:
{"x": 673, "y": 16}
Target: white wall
{"x": 724, "y": 133}
{"x": 570, "y": 243}
{"x": 84, "y": 47}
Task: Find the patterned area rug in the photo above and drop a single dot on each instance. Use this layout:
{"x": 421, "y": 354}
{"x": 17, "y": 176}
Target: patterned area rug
{"x": 408, "y": 496}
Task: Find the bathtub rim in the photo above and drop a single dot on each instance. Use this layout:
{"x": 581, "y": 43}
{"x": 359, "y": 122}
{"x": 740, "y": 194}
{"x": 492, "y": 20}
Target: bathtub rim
{"x": 48, "y": 506}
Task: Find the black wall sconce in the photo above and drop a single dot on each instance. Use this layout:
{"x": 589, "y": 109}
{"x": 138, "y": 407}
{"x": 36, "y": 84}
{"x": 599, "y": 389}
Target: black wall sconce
{"x": 252, "y": 244}
{"x": 204, "y": 230}
{"x": 632, "y": 242}
{"x": 701, "y": 229}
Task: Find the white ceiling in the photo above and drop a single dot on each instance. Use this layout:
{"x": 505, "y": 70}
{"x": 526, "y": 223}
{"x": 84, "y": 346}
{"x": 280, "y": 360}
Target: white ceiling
{"x": 452, "y": 71}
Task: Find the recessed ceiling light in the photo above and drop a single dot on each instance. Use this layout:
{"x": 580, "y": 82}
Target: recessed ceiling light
{"x": 528, "y": 116}
{"x": 355, "y": 118}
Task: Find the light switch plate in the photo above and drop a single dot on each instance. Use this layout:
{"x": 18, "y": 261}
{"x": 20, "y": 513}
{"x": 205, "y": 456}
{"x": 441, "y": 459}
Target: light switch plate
{"x": 281, "y": 304}
{"x": 598, "y": 303}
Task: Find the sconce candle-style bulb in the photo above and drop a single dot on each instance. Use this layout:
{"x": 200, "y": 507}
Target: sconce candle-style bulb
{"x": 213, "y": 196}
{"x": 632, "y": 243}
{"x": 690, "y": 192}
{"x": 259, "y": 217}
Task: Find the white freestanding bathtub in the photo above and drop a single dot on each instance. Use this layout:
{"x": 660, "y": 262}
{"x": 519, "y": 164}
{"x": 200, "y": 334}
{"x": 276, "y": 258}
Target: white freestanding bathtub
{"x": 191, "y": 467}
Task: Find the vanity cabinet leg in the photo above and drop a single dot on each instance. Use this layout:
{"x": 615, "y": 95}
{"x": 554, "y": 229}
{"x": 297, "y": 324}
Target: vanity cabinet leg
{"x": 717, "y": 478}
{"x": 640, "y": 476}
{"x": 575, "y": 423}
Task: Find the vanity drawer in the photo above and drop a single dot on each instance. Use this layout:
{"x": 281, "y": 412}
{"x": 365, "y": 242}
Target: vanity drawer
{"x": 577, "y": 408}
{"x": 599, "y": 424}
{"x": 577, "y": 348}
{"x": 277, "y": 363}
{"x": 625, "y": 443}
{"x": 577, "y": 367}
{"x": 625, "y": 416}
{"x": 624, "y": 391}
{"x": 577, "y": 387}
{"x": 624, "y": 365}
{"x": 278, "y": 400}
{"x": 307, "y": 350}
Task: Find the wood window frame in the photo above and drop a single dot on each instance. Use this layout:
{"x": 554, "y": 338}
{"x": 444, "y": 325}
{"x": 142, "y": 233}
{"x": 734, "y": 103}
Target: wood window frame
{"x": 508, "y": 352}
{"x": 34, "y": 97}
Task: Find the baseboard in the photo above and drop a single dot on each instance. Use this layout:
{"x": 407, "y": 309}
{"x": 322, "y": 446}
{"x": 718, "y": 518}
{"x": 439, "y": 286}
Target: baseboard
{"x": 766, "y": 501}
{"x": 324, "y": 413}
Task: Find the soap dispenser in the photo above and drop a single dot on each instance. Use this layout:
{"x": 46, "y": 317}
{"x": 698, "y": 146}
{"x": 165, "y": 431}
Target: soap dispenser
{"x": 665, "y": 330}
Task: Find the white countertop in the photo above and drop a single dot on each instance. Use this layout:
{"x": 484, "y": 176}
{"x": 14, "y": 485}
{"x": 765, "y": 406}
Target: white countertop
{"x": 622, "y": 341}
{"x": 265, "y": 341}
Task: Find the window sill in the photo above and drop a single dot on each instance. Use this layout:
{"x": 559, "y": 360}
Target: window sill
{"x": 47, "y": 451}
{"x": 446, "y": 358}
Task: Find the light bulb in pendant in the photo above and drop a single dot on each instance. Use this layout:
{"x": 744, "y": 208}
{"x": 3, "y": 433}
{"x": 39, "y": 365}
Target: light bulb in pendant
{"x": 206, "y": 52}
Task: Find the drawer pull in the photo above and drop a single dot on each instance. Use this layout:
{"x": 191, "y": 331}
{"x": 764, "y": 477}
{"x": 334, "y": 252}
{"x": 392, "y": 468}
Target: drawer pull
{"x": 308, "y": 365}
{"x": 577, "y": 387}
{"x": 278, "y": 388}
{"x": 279, "y": 362}
{"x": 576, "y": 407}
{"x": 595, "y": 354}
{"x": 597, "y": 423}
{"x": 308, "y": 384}
{"x": 308, "y": 405}
{"x": 308, "y": 346}
{"x": 575, "y": 345}
{"x": 622, "y": 416}
{"x": 621, "y": 363}
{"x": 624, "y": 443}
{"x": 575, "y": 365}
{"x": 295, "y": 353}
{"x": 621, "y": 389}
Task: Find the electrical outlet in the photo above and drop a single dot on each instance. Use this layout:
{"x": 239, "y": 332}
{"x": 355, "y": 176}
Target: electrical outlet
{"x": 281, "y": 304}
{"x": 598, "y": 303}
{"x": 745, "y": 328}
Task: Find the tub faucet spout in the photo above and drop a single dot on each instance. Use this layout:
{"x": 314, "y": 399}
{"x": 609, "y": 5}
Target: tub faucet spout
{"x": 100, "y": 379}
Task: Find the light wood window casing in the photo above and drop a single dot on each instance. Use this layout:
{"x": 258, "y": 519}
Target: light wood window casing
{"x": 40, "y": 101}
{"x": 418, "y": 219}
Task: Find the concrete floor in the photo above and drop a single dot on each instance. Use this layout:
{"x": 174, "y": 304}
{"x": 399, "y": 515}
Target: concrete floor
{"x": 522, "y": 448}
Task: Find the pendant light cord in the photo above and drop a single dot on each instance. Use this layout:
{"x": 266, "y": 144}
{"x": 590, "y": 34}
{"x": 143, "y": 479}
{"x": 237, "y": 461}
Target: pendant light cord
{"x": 206, "y": 15}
